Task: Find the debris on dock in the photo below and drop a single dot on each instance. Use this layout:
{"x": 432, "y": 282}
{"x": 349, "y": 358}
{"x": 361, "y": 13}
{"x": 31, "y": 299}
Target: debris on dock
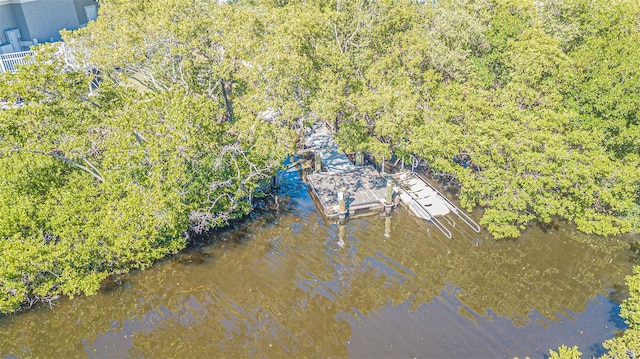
{"x": 321, "y": 142}
{"x": 365, "y": 190}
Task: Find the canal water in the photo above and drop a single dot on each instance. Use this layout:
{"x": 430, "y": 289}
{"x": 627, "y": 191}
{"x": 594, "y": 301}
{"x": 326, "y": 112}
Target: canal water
{"x": 290, "y": 283}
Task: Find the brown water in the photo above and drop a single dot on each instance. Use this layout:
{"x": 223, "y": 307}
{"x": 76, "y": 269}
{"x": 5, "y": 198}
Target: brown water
{"x": 292, "y": 284}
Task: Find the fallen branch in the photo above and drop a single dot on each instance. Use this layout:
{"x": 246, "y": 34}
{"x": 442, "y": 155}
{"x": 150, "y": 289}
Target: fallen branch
{"x": 73, "y": 163}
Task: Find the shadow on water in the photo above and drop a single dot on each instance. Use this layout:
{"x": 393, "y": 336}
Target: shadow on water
{"x": 290, "y": 283}
{"x": 551, "y": 226}
{"x": 635, "y": 250}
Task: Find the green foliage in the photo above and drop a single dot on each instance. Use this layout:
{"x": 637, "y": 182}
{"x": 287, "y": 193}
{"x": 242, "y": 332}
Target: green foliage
{"x": 627, "y": 345}
{"x": 177, "y": 139}
{"x": 198, "y": 101}
{"x": 538, "y": 98}
{"x": 624, "y": 346}
{"x": 564, "y": 352}
{"x": 630, "y": 309}
{"x": 72, "y": 213}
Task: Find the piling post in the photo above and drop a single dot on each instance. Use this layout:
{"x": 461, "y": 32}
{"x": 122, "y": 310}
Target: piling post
{"x": 388, "y": 204}
{"x": 342, "y": 202}
{"x": 359, "y": 158}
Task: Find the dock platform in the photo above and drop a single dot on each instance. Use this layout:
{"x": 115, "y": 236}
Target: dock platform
{"x": 365, "y": 188}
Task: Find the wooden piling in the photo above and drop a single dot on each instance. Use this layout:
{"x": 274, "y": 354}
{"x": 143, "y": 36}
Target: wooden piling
{"x": 342, "y": 202}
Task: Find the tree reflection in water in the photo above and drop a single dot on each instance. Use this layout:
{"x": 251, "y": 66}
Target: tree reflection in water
{"x": 294, "y": 284}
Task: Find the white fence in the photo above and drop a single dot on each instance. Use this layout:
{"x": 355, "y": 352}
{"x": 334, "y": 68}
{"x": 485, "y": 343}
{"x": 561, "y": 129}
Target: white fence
{"x": 8, "y": 62}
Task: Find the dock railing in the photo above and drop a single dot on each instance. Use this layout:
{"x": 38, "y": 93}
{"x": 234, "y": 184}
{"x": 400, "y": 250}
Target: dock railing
{"x": 9, "y": 62}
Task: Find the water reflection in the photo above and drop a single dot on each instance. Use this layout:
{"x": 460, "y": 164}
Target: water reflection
{"x": 294, "y": 284}
{"x": 342, "y": 233}
{"x": 387, "y": 227}
{"x": 453, "y": 332}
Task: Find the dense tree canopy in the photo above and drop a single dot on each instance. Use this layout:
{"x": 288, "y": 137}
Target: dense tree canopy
{"x": 175, "y": 139}
{"x": 531, "y": 106}
{"x": 628, "y": 344}
{"x": 537, "y": 99}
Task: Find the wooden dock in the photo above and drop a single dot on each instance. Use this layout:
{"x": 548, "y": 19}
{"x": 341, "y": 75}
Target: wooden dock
{"x": 365, "y": 190}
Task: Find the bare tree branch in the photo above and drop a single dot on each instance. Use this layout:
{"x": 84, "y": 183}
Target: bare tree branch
{"x": 72, "y": 163}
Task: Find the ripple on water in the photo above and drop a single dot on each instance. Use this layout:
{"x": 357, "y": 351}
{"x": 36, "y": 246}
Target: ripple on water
{"x": 296, "y": 284}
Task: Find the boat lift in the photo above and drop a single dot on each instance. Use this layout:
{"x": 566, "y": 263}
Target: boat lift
{"x": 426, "y": 202}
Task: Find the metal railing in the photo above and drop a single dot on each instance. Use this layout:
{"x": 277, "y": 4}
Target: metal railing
{"x": 434, "y": 220}
{"x": 9, "y": 62}
{"x": 457, "y": 211}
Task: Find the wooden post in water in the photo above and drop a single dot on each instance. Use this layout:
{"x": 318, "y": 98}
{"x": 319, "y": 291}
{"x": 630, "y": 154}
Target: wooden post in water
{"x": 359, "y": 158}
{"x": 342, "y": 202}
{"x": 388, "y": 204}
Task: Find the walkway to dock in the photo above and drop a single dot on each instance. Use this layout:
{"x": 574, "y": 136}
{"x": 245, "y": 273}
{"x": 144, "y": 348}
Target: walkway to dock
{"x": 320, "y": 140}
{"x": 365, "y": 188}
